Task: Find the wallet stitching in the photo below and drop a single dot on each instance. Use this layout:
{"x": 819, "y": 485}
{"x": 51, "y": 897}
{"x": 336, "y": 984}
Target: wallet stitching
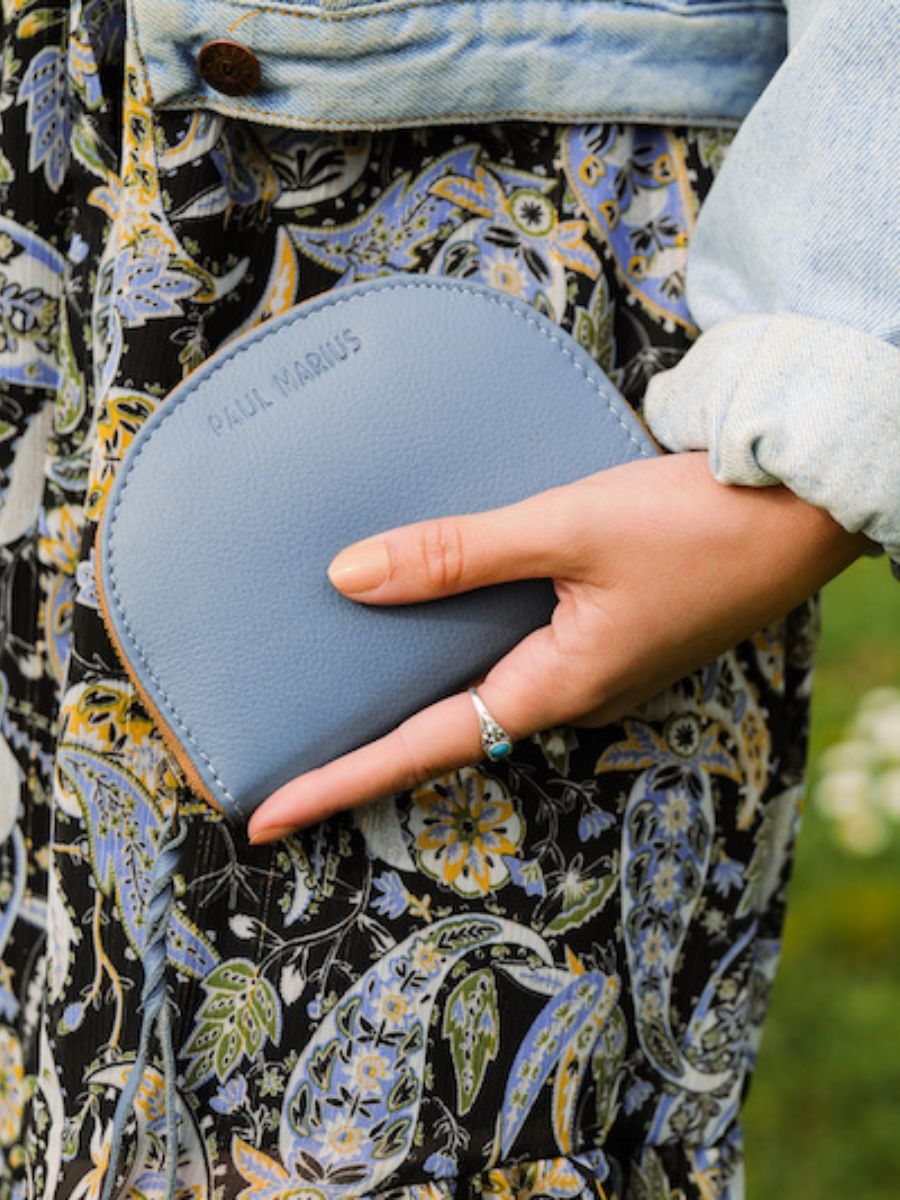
{"x": 264, "y": 333}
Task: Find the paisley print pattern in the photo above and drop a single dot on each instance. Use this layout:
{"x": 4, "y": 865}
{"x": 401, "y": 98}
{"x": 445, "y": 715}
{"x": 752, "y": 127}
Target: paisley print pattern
{"x": 542, "y": 977}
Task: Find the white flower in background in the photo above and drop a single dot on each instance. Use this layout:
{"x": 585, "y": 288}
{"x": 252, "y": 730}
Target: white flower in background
{"x": 243, "y": 927}
{"x": 859, "y": 788}
{"x": 889, "y": 792}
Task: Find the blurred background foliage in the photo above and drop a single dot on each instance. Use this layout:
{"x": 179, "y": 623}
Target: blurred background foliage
{"x": 823, "y": 1115}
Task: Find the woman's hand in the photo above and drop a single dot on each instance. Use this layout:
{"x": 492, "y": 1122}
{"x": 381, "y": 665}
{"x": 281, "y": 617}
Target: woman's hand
{"x": 658, "y": 570}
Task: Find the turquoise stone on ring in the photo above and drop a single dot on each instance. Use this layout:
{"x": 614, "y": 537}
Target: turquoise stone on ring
{"x": 495, "y": 741}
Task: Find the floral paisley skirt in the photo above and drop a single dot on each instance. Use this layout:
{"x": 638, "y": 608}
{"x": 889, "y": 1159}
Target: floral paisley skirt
{"x": 543, "y": 977}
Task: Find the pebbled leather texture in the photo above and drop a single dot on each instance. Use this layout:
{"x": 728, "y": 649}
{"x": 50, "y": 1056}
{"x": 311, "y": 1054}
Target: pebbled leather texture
{"x": 372, "y": 406}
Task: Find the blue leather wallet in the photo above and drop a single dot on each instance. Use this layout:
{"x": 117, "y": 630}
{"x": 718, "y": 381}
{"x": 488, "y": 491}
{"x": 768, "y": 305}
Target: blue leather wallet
{"x": 369, "y": 407}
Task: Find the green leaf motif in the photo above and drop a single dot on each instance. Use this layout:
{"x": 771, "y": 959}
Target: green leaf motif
{"x": 391, "y": 1141}
{"x": 36, "y": 21}
{"x": 588, "y": 901}
{"x": 240, "y": 1013}
{"x": 471, "y": 1024}
{"x": 712, "y": 145}
{"x": 68, "y": 407}
{"x": 603, "y": 314}
{"x": 606, "y": 1062}
{"x": 649, "y": 1180}
{"x": 86, "y": 148}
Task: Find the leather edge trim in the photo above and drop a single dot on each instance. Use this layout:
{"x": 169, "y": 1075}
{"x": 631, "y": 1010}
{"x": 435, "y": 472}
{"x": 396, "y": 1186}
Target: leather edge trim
{"x": 192, "y": 775}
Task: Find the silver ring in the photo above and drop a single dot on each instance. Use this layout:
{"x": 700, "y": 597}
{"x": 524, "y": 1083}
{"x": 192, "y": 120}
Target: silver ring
{"x": 495, "y": 741}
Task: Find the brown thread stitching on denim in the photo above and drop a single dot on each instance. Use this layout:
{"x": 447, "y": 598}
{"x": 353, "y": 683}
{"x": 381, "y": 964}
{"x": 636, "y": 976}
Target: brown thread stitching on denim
{"x": 688, "y": 13}
{"x": 247, "y": 112}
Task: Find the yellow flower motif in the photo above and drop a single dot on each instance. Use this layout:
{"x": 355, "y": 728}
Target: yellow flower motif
{"x": 343, "y": 1138}
{"x": 463, "y": 825}
{"x": 394, "y": 1006}
{"x": 653, "y": 947}
{"x": 426, "y": 959}
{"x": 12, "y": 1087}
{"x": 665, "y": 881}
{"x": 676, "y": 814}
{"x": 369, "y": 1071}
{"x": 505, "y": 274}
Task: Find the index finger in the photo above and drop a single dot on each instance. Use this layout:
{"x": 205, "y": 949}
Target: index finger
{"x": 435, "y": 740}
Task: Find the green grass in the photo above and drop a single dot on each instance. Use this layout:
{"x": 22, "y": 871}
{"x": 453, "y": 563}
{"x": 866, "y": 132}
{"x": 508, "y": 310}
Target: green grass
{"x": 823, "y": 1116}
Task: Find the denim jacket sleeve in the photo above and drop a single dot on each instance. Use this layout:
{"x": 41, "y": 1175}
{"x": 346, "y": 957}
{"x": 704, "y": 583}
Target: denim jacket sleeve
{"x": 794, "y": 278}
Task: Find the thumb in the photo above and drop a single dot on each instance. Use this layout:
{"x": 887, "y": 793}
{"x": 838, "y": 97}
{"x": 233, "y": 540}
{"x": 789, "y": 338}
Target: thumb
{"x": 532, "y": 539}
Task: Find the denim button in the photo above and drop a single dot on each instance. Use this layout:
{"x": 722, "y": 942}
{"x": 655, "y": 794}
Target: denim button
{"x": 229, "y": 67}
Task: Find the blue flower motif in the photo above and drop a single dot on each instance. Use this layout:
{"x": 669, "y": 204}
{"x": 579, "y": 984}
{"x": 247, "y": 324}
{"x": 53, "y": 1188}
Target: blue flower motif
{"x": 73, "y": 1015}
{"x": 527, "y": 874}
{"x": 231, "y": 1095}
{"x": 147, "y": 288}
{"x": 9, "y": 1005}
{"x": 596, "y": 1162}
{"x": 593, "y": 823}
{"x": 727, "y": 874}
{"x": 394, "y": 897}
{"x": 637, "y": 1095}
{"x": 47, "y": 119}
{"x": 78, "y": 249}
{"x": 440, "y": 1165}
{"x": 85, "y": 577}
{"x": 149, "y": 1182}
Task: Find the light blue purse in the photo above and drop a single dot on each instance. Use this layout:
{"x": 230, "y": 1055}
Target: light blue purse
{"x": 369, "y": 407}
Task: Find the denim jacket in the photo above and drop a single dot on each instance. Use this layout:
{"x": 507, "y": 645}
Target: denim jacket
{"x": 338, "y": 64}
{"x": 794, "y": 270}
{"x": 794, "y": 276}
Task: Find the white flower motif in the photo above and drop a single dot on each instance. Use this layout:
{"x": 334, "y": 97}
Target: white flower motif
{"x": 505, "y": 274}
{"x": 463, "y": 825}
{"x": 370, "y": 1071}
{"x": 343, "y": 1139}
{"x": 242, "y": 927}
{"x": 676, "y": 814}
{"x": 665, "y": 882}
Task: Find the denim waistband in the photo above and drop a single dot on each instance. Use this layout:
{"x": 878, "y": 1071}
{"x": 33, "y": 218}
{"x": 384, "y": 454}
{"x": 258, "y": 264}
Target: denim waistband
{"x": 344, "y": 65}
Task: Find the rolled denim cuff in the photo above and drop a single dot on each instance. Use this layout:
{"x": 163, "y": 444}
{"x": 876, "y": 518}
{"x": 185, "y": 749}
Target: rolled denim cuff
{"x": 814, "y": 405}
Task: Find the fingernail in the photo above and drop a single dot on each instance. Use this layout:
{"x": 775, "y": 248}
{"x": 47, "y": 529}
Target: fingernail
{"x": 360, "y": 567}
{"x": 270, "y": 833}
